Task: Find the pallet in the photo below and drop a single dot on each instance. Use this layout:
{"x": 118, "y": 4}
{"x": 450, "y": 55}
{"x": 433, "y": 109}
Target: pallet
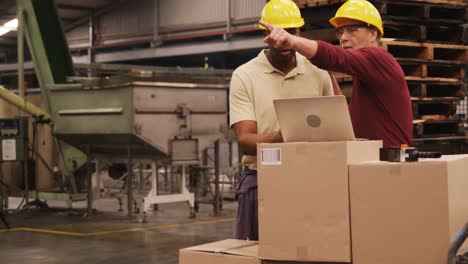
{"x": 447, "y": 145}
{"x": 427, "y": 51}
{"x": 437, "y": 128}
{"x": 422, "y": 21}
{"x": 424, "y": 91}
{"x": 312, "y": 3}
{"x": 412, "y": 79}
{"x": 452, "y": 34}
{"x": 444, "y": 2}
{"x": 422, "y": 10}
{"x": 430, "y": 109}
{"x": 344, "y": 78}
{"x": 435, "y": 100}
{"x": 424, "y": 70}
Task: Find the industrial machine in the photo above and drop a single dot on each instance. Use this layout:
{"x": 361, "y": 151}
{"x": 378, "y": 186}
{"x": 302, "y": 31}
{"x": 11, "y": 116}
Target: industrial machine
{"x": 14, "y": 139}
{"x": 164, "y": 115}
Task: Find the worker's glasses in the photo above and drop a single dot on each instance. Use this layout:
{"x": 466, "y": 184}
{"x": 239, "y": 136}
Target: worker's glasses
{"x": 350, "y": 29}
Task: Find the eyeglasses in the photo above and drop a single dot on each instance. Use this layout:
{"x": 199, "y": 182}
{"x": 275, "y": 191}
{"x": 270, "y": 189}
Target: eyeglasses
{"x": 350, "y": 29}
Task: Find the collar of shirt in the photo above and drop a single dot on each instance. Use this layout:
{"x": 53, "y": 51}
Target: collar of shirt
{"x": 299, "y": 69}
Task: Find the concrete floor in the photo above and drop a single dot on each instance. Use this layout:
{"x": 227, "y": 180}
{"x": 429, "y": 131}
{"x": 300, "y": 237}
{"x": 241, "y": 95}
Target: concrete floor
{"x": 57, "y": 235}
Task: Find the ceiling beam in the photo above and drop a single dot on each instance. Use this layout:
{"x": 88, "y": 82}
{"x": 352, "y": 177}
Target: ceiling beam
{"x": 161, "y": 52}
{"x": 96, "y": 13}
{"x": 6, "y": 67}
{"x": 7, "y": 41}
{"x": 5, "y": 13}
{"x": 67, "y": 20}
{"x": 75, "y": 7}
{"x": 179, "y": 50}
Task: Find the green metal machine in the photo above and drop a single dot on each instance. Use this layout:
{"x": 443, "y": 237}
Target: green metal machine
{"x": 165, "y": 113}
{"x": 48, "y": 47}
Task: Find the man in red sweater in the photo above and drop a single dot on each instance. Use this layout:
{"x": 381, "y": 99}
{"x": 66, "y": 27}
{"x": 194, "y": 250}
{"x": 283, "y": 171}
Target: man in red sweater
{"x": 380, "y": 105}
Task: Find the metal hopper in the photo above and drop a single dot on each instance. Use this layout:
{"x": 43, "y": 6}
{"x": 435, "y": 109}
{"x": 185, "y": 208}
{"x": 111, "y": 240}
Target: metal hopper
{"x": 159, "y": 114}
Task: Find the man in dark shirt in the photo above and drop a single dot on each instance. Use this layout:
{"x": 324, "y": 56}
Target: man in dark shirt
{"x": 380, "y": 105}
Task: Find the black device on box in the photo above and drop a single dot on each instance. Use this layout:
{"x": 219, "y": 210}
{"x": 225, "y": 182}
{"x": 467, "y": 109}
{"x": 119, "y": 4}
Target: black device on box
{"x": 405, "y": 154}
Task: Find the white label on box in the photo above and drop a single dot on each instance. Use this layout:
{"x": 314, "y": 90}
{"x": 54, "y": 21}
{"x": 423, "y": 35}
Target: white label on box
{"x": 270, "y": 156}
{"x": 9, "y": 149}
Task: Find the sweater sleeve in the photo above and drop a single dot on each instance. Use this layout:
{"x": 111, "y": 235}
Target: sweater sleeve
{"x": 357, "y": 63}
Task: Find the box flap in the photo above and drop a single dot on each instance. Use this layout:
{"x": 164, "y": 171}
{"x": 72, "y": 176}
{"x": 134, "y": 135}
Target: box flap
{"x": 249, "y": 251}
{"x": 362, "y": 151}
{"x": 228, "y": 246}
{"x": 443, "y": 159}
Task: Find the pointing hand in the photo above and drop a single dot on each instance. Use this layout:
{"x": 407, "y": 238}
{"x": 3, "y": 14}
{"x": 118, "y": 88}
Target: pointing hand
{"x": 278, "y": 37}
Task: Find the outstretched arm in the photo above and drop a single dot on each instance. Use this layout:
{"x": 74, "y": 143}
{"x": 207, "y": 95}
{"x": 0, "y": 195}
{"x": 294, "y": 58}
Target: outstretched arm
{"x": 281, "y": 39}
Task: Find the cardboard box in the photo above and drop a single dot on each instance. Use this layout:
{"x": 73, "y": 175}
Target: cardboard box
{"x": 229, "y": 251}
{"x": 304, "y": 201}
{"x": 407, "y": 213}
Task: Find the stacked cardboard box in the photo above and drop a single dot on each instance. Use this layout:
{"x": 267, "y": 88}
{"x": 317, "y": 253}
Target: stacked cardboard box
{"x": 335, "y": 202}
{"x": 303, "y": 206}
{"x": 304, "y": 200}
{"x": 229, "y": 251}
{"x": 407, "y": 213}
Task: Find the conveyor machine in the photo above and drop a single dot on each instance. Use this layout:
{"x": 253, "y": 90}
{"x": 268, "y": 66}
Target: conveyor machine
{"x": 167, "y": 114}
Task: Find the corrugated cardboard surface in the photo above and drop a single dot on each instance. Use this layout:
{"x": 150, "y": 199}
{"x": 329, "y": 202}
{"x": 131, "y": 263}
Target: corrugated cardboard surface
{"x": 304, "y": 200}
{"x": 295, "y": 262}
{"x": 458, "y": 189}
{"x": 229, "y": 251}
{"x": 407, "y": 213}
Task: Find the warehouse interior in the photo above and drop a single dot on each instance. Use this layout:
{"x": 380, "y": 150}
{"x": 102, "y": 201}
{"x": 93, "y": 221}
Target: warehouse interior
{"x": 117, "y": 145}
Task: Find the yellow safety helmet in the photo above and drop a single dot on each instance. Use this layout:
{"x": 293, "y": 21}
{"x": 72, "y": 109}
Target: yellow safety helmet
{"x": 360, "y": 10}
{"x": 282, "y": 13}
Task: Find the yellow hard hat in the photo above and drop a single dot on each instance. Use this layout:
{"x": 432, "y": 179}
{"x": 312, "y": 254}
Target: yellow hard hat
{"x": 360, "y": 10}
{"x": 282, "y": 13}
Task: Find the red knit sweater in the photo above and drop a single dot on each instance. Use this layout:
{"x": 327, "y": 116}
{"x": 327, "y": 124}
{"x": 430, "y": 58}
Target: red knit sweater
{"x": 380, "y": 105}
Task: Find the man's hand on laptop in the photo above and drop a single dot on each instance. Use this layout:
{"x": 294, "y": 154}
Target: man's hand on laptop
{"x": 272, "y": 137}
{"x": 278, "y": 137}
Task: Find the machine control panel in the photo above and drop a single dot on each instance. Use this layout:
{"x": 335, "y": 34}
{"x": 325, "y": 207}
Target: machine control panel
{"x": 10, "y": 127}
{"x": 13, "y": 139}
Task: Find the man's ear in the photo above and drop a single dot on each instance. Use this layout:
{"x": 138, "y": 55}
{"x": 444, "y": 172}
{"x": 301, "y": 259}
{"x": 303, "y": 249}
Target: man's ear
{"x": 374, "y": 33}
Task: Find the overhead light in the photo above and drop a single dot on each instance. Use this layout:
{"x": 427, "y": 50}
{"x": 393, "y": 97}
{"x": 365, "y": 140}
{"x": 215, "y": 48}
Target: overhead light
{"x": 9, "y": 26}
{"x": 13, "y": 24}
{"x": 3, "y": 31}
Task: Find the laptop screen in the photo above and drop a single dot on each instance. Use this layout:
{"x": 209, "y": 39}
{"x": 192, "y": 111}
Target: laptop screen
{"x": 314, "y": 119}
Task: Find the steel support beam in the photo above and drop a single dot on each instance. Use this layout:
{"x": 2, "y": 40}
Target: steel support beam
{"x": 7, "y": 41}
{"x": 14, "y": 66}
{"x": 75, "y": 7}
{"x": 160, "y": 52}
{"x": 156, "y": 37}
{"x": 98, "y": 12}
{"x": 179, "y": 50}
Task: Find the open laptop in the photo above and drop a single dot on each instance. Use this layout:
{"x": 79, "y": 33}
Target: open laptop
{"x": 314, "y": 119}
